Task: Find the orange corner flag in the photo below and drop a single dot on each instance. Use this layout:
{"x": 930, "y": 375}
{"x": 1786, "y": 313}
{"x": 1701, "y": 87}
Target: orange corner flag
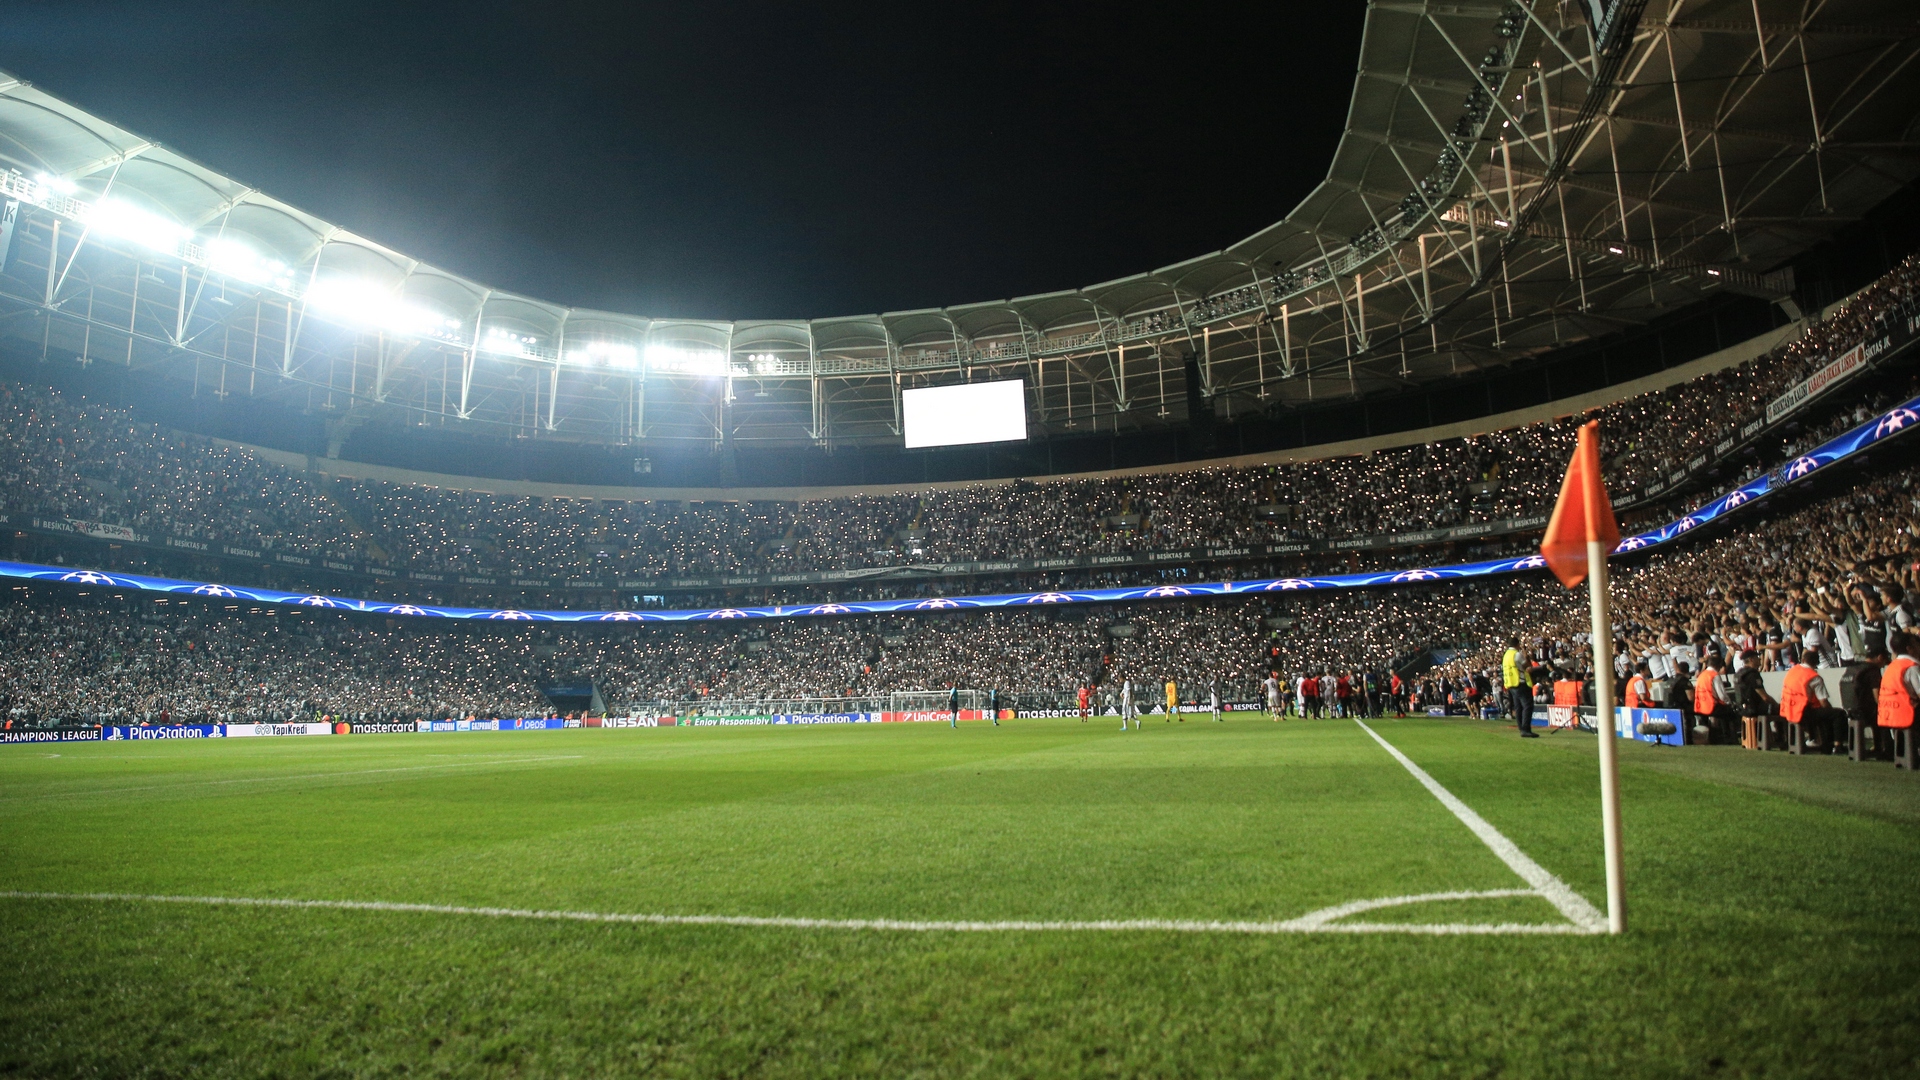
{"x": 1583, "y": 513}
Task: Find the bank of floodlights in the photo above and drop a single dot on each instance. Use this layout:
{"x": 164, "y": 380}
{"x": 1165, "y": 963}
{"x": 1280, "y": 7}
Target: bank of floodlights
{"x": 365, "y": 304}
{"x": 236, "y": 260}
{"x": 502, "y": 342}
{"x": 685, "y": 360}
{"x": 604, "y": 354}
{"x": 349, "y": 301}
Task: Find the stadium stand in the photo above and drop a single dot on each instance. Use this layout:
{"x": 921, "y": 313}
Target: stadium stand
{"x": 97, "y": 658}
{"x": 1845, "y": 562}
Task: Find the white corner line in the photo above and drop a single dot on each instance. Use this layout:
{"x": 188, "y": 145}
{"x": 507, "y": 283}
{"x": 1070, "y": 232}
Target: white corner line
{"x": 1558, "y": 893}
{"x": 1318, "y": 922}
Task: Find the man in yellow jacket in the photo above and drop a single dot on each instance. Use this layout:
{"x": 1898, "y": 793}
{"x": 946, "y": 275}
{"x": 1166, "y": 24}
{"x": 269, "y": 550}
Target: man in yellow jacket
{"x": 1518, "y": 683}
{"x": 1173, "y": 702}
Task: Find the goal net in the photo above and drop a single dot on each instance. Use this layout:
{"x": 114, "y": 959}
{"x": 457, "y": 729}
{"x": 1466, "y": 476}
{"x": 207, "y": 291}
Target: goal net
{"x": 908, "y": 701}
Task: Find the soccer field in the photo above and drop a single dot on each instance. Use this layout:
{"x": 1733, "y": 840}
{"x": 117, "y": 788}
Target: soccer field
{"x": 1043, "y": 898}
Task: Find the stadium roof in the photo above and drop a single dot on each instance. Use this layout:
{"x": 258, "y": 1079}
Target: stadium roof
{"x": 1503, "y": 187}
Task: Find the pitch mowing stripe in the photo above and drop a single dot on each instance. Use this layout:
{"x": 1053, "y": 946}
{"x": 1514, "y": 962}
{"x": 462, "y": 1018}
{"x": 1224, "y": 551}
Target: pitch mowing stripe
{"x": 185, "y": 784}
{"x": 1318, "y": 922}
{"x": 1558, "y": 893}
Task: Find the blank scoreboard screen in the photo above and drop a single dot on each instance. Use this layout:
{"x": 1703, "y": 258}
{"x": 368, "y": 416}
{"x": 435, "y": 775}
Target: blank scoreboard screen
{"x": 959, "y": 415}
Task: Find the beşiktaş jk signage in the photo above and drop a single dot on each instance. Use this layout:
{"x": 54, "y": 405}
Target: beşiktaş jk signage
{"x": 97, "y": 530}
{"x": 1820, "y": 381}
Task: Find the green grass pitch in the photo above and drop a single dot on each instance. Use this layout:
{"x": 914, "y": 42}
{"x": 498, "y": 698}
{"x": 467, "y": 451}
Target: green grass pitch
{"x": 1775, "y": 905}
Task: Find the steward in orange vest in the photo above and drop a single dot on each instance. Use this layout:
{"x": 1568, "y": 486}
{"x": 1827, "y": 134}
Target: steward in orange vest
{"x": 1804, "y": 704}
{"x": 1793, "y": 696}
{"x": 1716, "y": 715}
{"x": 1638, "y": 688}
{"x": 1896, "y": 699}
{"x": 1896, "y": 703}
{"x": 1703, "y": 700}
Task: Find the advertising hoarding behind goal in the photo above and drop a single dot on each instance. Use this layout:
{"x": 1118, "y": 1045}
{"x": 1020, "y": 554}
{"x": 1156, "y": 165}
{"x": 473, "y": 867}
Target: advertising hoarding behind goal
{"x": 963, "y": 415}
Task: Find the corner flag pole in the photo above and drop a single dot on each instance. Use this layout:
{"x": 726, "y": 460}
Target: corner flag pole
{"x": 1580, "y": 536}
{"x": 1609, "y": 761}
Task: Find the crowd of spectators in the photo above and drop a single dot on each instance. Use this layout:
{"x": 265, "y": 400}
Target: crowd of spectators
{"x": 68, "y": 457}
{"x": 95, "y": 660}
{"x": 101, "y": 659}
{"x": 1830, "y": 578}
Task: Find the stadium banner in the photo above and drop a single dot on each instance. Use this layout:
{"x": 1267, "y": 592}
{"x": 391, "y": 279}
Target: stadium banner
{"x": 375, "y": 729}
{"x": 45, "y": 735}
{"x": 505, "y": 724}
{"x": 922, "y": 716}
{"x": 116, "y": 732}
{"x": 1887, "y": 425}
{"x": 250, "y": 731}
{"x": 636, "y": 721}
{"x": 780, "y": 718}
{"x": 1626, "y": 722}
{"x": 1626, "y": 725}
{"x": 97, "y": 530}
{"x": 1821, "y": 381}
{"x": 1563, "y": 716}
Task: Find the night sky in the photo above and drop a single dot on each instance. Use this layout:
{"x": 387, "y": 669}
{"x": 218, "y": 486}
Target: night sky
{"x": 748, "y": 160}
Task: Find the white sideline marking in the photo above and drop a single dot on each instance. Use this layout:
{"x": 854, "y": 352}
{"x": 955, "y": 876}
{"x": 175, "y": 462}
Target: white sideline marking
{"x": 1319, "y": 922}
{"x": 1558, "y": 893}
{"x": 296, "y": 776}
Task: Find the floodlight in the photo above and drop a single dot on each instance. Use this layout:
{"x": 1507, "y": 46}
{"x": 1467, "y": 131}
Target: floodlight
{"x": 365, "y": 304}
{"x": 143, "y": 227}
{"x": 501, "y": 342}
{"x": 612, "y": 353}
{"x": 46, "y": 185}
{"x": 236, "y": 260}
{"x": 686, "y": 361}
